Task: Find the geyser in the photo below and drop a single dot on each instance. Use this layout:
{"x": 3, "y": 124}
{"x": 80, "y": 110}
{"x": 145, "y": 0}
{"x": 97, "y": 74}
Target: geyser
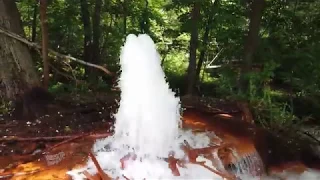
{"x": 148, "y": 116}
{"x": 147, "y": 122}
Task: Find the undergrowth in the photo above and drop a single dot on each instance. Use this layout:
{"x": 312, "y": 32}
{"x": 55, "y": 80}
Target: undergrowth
{"x": 270, "y": 108}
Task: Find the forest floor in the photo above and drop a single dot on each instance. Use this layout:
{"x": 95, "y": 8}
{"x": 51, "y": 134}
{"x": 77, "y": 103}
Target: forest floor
{"x": 62, "y": 139}
{"x": 49, "y": 146}
{"x": 80, "y": 119}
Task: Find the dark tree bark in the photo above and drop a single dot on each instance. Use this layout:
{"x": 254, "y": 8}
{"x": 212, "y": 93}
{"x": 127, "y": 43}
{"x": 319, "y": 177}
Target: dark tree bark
{"x": 96, "y": 20}
{"x": 17, "y": 73}
{"x": 205, "y": 39}
{"x": 34, "y": 22}
{"x": 44, "y": 32}
{"x": 252, "y": 39}
{"x": 32, "y": 104}
{"x": 192, "y": 68}
{"x": 145, "y": 24}
{"x": 87, "y": 44}
{"x": 125, "y": 14}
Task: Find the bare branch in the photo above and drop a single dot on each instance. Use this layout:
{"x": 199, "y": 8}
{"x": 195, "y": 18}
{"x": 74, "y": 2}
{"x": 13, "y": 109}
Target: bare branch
{"x": 51, "y": 138}
{"x": 216, "y": 57}
{"x": 52, "y": 52}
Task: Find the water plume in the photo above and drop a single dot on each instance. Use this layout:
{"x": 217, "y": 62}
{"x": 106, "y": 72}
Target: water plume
{"x": 147, "y": 123}
{"x": 148, "y": 116}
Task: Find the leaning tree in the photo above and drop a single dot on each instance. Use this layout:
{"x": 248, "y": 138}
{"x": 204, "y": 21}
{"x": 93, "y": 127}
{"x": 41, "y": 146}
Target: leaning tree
{"x": 17, "y": 72}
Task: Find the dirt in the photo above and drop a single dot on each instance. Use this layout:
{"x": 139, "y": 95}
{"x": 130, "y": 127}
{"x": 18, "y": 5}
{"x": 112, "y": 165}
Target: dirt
{"x": 52, "y": 165}
{"x": 49, "y": 146}
{"x": 22, "y": 141}
{"x": 71, "y": 115}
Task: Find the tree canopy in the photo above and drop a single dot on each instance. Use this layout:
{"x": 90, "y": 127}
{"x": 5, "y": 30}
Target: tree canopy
{"x": 207, "y": 41}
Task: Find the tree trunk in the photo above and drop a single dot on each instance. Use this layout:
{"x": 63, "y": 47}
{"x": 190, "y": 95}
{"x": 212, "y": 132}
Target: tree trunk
{"x": 145, "y": 24}
{"x": 125, "y": 9}
{"x": 34, "y": 22}
{"x": 17, "y": 73}
{"x": 252, "y": 39}
{"x": 44, "y": 32}
{"x": 192, "y": 68}
{"x": 205, "y": 39}
{"x": 96, "y": 32}
{"x": 87, "y": 43}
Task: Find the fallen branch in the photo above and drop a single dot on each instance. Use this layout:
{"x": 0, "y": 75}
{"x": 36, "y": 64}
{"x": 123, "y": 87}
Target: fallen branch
{"x": 54, "y": 53}
{"x": 90, "y": 177}
{"x": 173, "y": 162}
{"x": 66, "y": 141}
{"x": 310, "y": 136}
{"x": 192, "y": 155}
{"x": 53, "y": 138}
{"x": 32, "y": 157}
{"x": 101, "y": 173}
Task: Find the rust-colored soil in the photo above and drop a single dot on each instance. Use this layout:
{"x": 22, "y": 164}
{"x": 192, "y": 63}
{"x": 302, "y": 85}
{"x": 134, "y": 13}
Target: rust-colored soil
{"x": 23, "y": 142}
{"x": 30, "y": 149}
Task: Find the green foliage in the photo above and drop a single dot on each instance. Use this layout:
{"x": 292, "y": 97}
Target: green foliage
{"x": 288, "y": 51}
{"x": 267, "y": 110}
{"x": 5, "y": 107}
{"x": 81, "y": 87}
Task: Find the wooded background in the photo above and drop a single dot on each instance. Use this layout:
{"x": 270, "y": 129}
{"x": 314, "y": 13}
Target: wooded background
{"x": 263, "y": 52}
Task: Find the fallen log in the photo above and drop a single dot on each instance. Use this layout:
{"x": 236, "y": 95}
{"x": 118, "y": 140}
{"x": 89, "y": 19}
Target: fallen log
{"x": 52, "y": 138}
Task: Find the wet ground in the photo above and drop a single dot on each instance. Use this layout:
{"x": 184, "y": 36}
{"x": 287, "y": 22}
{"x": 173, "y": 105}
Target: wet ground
{"x": 65, "y": 134}
{"x": 49, "y": 146}
{"x": 23, "y": 140}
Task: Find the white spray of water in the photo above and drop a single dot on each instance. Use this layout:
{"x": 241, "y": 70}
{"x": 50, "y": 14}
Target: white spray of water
{"x": 147, "y": 122}
{"x": 148, "y": 116}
